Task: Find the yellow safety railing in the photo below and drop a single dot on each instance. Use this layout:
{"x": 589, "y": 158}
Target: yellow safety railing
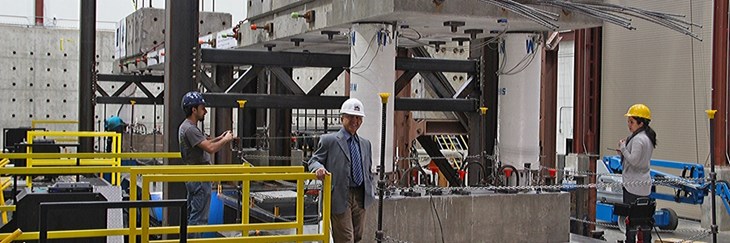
{"x": 34, "y": 124}
{"x": 12, "y": 237}
{"x": 116, "y": 148}
{"x": 4, "y": 184}
{"x": 181, "y": 173}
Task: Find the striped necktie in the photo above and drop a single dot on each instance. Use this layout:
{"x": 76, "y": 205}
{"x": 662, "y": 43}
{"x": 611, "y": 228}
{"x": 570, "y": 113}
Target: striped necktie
{"x": 356, "y": 161}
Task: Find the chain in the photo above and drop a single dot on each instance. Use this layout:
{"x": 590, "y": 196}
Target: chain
{"x": 701, "y": 233}
{"x": 444, "y": 157}
{"x": 606, "y": 225}
{"x": 549, "y": 187}
{"x": 698, "y": 236}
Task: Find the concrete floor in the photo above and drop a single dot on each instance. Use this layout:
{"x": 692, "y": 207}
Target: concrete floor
{"x": 613, "y": 235}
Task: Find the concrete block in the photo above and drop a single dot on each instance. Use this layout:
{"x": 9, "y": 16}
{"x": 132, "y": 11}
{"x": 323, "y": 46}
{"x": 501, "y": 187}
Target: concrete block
{"x": 723, "y": 215}
{"x": 146, "y": 29}
{"x": 475, "y": 218}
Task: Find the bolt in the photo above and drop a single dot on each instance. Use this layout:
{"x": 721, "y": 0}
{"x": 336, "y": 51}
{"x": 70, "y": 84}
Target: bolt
{"x": 473, "y": 32}
{"x": 296, "y": 41}
{"x": 269, "y": 46}
{"x": 454, "y": 25}
{"x": 330, "y": 33}
{"x": 437, "y": 44}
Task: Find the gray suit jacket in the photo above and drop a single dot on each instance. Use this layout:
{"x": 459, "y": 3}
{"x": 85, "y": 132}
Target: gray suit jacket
{"x": 333, "y": 154}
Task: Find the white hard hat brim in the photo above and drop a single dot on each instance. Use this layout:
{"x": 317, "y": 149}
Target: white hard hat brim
{"x": 360, "y": 114}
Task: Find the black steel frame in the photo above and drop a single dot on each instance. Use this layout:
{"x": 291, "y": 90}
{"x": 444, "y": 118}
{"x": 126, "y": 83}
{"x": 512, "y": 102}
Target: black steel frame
{"x": 44, "y": 208}
{"x": 138, "y": 80}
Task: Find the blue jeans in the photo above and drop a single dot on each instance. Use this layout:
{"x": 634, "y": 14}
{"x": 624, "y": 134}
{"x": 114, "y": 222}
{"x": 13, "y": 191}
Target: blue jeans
{"x": 198, "y": 204}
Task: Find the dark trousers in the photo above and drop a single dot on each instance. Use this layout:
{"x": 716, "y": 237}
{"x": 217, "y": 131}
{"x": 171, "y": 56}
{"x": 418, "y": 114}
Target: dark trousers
{"x": 348, "y": 226}
{"x": 631, "y": 232}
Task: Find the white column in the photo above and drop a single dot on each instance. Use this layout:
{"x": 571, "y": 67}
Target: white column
{"x": 372, "y": 71}
{"x": 519, "y": 100}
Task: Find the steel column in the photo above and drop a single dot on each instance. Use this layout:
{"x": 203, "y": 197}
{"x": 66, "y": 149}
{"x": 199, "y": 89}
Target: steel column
{"x": 223, "y": 116}
{"x": 587, "y": 102}
{"x": 402, "y": 119}
{"x": 39, "y": 12}
{"x": 719, "y": 79}
{"x": 482, "y": 133}
{"x": 280, "y": 123}
{"x": 181, "y": 39}
{"x": 87, "y": 70}
{"x": 489, "y": 85}
{"x": 247, "y": 118}
{"x": 548, "y": 107}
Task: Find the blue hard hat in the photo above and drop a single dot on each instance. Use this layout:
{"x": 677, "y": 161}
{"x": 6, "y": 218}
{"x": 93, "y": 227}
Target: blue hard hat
{"x": 113, "y": 122}
{"x": 192, "y": 98}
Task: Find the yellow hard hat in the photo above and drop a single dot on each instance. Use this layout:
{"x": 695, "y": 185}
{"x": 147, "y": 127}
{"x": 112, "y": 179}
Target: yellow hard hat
{"x": 639, "y": 110}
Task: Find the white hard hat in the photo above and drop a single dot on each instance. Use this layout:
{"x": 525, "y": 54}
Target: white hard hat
{"x": 353, "y": 107}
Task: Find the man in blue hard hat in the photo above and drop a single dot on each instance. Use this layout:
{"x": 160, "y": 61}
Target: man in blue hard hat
{"x": 195, "y": 147}
{"x": 113, "y": 124}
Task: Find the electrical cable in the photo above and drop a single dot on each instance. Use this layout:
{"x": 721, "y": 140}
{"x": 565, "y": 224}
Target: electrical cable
{"x": 430, "y": 199}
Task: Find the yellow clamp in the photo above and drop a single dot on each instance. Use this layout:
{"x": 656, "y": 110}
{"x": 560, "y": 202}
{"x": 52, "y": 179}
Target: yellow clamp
{"x": 711, "y": 114}
{"x": 384, "y": 97}
{"x": 241, "y": 103}
{"x": 483, "y": 110}
{"x": 133, "y": 102}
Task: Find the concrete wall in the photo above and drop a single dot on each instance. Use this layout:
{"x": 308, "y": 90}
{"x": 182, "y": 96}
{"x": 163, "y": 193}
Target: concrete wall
{"x": 669, "y": 72}
{"x": 39, "y": 74}
{"x": 476, "y": 218}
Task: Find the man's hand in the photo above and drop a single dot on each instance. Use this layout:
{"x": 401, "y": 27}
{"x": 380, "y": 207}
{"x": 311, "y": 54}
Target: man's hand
{"x": 227, "y": 136}
{"x": 321, "y": 172}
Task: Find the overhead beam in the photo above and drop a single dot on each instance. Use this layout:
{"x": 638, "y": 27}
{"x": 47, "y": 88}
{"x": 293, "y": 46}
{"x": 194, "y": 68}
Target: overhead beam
{"x": 126, "y": 100}
{"x": 274, "y": 101}
{"x": 437, "y": 104}
{"x": 428, "y": 64}
{"x": 285, "y": 79}
{"x": 333, "y": 102}
{"x": 302, "y": 59}
{"x": 325, "y": 81}
{"x": 130, "y": 78}
{"x": 279, "y": 59}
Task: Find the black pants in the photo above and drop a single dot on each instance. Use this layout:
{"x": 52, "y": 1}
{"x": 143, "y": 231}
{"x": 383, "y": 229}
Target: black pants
{"x": 645, "y": 229}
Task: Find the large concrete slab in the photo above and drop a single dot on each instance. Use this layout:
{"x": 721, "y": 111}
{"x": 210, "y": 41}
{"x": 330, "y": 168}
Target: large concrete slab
{"x": 530, "y": 217}
{"x": 425, "y": 19}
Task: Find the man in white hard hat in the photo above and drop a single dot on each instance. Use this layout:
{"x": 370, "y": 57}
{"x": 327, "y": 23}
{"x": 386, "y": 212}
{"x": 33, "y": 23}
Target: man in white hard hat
{"x": 348, "y": 157}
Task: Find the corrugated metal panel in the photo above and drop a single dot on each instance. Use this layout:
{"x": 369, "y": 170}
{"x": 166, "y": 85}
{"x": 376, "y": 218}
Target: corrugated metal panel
{"x": 669, "y": 72}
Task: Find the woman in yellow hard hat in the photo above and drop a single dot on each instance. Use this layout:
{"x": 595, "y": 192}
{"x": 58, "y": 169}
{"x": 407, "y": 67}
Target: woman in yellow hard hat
{"x": 636, "y": 151}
